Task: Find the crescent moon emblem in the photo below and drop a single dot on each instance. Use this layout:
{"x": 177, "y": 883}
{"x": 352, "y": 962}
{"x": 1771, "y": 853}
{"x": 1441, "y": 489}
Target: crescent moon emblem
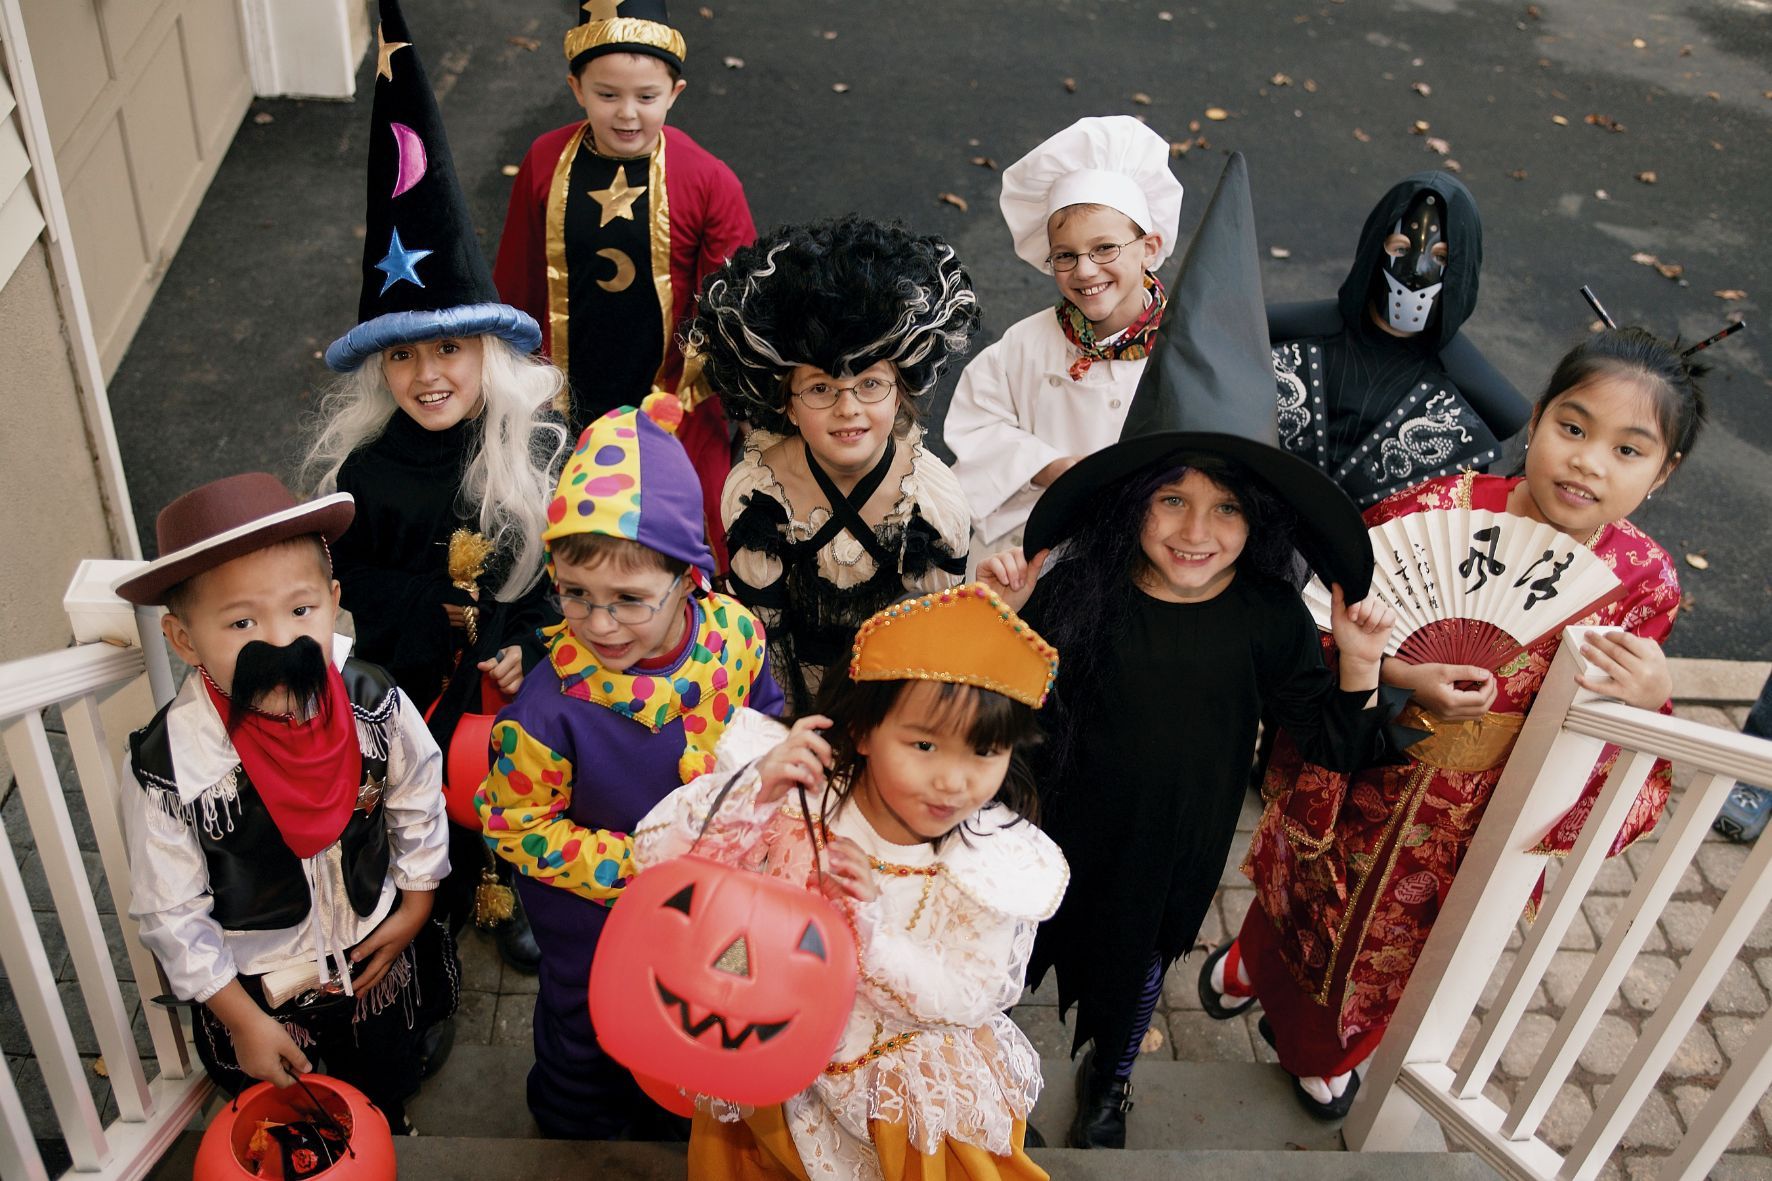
{"x": 624, "y": 270}
{"x": 411, "y": 156}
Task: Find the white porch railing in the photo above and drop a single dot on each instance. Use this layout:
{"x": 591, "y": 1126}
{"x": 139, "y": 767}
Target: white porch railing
{"x": 1414, "y": 1065}
{"x": 150, "y": 1114}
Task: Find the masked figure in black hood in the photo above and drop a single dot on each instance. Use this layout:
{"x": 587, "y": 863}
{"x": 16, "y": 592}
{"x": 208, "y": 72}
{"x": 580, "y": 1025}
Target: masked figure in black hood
{"x": 1377, "y": 388}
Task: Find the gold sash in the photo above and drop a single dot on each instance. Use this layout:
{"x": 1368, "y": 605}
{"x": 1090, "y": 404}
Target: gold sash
{"x": 1476, "y": 745}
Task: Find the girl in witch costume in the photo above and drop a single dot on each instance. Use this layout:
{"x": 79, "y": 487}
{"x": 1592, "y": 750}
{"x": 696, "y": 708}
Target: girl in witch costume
{"x": 1097, "y": 209}
{"x": 1173, "y": 602}
{"x": 824, "y": 338}
{"x": 285, "y": 828}
{"x": 441, "y": 430}
{"x": 1349, "y": 870}
{"x": 923, "y": 828}
{"x": 643, "y": 675}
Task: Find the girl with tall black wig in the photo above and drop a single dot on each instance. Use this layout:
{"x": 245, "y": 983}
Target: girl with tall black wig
{"x": 825, "y": 338}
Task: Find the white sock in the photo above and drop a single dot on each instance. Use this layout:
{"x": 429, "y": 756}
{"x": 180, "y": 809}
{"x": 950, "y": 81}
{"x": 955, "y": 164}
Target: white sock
{"x": 1317, "y": 1089}
{"x": 1217, "y": 977}
{"x": 1338, "y": 1084}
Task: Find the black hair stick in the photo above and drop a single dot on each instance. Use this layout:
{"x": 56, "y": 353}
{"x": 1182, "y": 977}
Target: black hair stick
{"x": 1593, "y": 301}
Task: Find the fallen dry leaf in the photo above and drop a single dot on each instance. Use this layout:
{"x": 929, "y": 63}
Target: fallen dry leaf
{"x": 1278, "y": 252}
{"x": 1713, "y": 96}
{"x": 829, "y": 34}
{"x": 530, "y": 43}
{"x": 1420, "y": 127}
{"x": 1670, "y": 270}
{"x": 707, "y": 14}
{"x": 954, "y": 199}
{"x": 1685, "y": 51}
{"x": 1698, "y": 561}
{"x": 1730, "y": 293}
{"x": 1165, "y": 16}
{"x": 264, "y": 117}
{"x": 1436, "y": 144}
{"x": 509, "y": 169}
{"x": 1142, "y": 99}
{"x": 1421, "y": 88}
{"x": 1193, "y": 125}
{"x": 1362, "y": 136}
{"x": 1070, "y": 85}
{"x": 99, "y": 1068}
{"x": 1310, "y": 84}
{"x": 1560, "y": 120}
{"x": 1647, "y": 177}
{"x": 1638, "y": 43}
{"x": 1597, "y": 326}
{"x": 1602, "y": 195}
{"x": 1517, "y": 174}
{"x": 1454, "y": 166}
{"x": 1180, "y": 148}
{"x": 1606, "y": 121}
{"x": 1217, "y": 114}
{"x": 1644, "y": 259}
{"x": 985, "y": 162}
{"x": 1281, "y": 79}
{"x": 733, "y": 63}
{"x": 1153, "y": 1041}
{"x": 1533, "y": 12}
{"x": 840, "y": 87}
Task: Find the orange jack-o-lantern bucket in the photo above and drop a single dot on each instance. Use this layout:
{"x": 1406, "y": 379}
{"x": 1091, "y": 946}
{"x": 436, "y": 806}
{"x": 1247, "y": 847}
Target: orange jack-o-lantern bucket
{"x": 722, "y": 981}
{"x": 318, "y": 1128}
{"x": 672, "y": 1099}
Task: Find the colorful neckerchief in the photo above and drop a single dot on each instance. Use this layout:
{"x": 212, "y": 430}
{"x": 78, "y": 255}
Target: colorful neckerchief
{"x": 1132, "y": 344}
{"x": 305, "y": 772}
{"x": 713, "y": 679}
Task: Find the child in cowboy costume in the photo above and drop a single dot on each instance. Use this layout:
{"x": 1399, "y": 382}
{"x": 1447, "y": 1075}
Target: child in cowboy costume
{"x": 282, "y": 811}
{"x": 646, "y": 672}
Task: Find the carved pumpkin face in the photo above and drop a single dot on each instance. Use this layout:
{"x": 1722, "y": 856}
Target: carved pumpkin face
{"x": 722, "y": 981}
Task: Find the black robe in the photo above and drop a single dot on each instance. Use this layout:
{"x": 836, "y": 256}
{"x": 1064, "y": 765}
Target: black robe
{"x": 393, "y": 565}
{"x": 1380, "y": 413}
{"x": 1146, "y": 807}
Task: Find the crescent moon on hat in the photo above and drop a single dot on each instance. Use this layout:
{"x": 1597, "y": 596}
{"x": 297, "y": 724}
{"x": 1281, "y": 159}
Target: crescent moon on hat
{"x": 624, "y": 270}
{"x": 411, "y": 155}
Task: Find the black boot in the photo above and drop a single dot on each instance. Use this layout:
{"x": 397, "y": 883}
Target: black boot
{"x": 1102, "y": 1104}
{"x": 516, "y": 942}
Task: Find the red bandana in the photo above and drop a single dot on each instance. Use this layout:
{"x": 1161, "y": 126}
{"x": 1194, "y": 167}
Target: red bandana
{"x": 306, "y": 772}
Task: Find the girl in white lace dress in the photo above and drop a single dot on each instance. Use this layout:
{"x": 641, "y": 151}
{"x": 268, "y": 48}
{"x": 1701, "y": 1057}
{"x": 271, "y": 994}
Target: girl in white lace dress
{"x": 914, "y": 781}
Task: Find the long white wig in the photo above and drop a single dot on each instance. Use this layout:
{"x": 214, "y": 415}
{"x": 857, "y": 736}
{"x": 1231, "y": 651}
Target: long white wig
{"x": 510, "y": 478}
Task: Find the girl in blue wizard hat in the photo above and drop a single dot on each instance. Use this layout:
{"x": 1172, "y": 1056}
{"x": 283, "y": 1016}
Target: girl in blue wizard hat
{"x": 440, "y": 427}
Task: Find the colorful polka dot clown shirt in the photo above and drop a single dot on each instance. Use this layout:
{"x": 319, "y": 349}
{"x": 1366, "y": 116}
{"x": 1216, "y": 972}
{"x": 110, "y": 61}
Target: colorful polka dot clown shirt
{"x": 585, "y": 750}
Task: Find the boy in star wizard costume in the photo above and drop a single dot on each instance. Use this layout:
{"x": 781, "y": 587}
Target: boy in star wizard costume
{"x": 614, "y": 222}
{"x": 649, "y": 668}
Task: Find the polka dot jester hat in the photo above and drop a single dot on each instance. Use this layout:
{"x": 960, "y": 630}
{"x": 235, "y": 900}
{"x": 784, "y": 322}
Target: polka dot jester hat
{"x": 629, "y": 477}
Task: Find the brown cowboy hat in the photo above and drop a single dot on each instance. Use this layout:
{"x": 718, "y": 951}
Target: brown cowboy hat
{"x": 223, "y": 520}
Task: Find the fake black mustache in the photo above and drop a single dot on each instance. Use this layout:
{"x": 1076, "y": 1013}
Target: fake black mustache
{"x": 299, "y": 667}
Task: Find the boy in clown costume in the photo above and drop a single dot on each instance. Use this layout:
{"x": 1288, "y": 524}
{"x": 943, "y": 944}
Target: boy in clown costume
{"x": 648, "y": 669}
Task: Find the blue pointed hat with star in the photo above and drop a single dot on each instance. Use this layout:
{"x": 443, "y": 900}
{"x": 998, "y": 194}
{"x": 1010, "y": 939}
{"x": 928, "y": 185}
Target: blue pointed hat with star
{"x": 423, "y": 274}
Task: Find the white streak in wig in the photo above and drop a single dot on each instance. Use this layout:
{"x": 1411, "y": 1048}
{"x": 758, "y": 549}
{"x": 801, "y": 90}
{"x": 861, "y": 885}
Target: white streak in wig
{"x": 926, "y": 317}
{"x": 506, "y": 487}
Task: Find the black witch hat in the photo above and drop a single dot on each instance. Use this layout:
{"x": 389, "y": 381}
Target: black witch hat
{"x": 624, "y": 26}
{"x": 1209, "y": 387}
{"x": 423, "y": 274}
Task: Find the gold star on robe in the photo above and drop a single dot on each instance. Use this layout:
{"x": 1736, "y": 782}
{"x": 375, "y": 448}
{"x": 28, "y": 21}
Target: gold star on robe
{"x": 384, "y": 54}
{"x": 601, "y": 10}
{"x": 618, "y": 199}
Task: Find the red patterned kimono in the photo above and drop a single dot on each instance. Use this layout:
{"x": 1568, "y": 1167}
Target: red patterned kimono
{"x": 679, "y": 216}
{"x": 1350, "y": 871}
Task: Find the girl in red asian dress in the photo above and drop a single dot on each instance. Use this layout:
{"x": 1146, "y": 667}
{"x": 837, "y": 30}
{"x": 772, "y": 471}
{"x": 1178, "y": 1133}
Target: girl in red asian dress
{"x": 1350, "y": 870}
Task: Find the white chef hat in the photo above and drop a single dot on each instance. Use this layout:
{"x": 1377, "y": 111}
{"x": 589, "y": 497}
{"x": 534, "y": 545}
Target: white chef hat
{"x": 1114, "y": 161}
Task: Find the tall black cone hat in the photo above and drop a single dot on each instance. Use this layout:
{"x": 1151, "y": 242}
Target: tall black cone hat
{"x": 1209, "y": 387}
{"x": 423, "y": 274}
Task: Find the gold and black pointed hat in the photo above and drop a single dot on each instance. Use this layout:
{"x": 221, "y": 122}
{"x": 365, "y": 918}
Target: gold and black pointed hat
{"x": 624, "y": 26}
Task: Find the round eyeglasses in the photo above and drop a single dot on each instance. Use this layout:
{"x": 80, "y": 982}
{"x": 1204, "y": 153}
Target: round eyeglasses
{"x": 1066, "y": 260}
{"x": 630, "y": 612}
{"x": 822, "y": 395}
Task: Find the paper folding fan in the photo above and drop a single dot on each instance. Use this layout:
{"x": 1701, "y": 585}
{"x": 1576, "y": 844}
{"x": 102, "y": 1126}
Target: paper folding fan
{"x": 1472, "y": 586}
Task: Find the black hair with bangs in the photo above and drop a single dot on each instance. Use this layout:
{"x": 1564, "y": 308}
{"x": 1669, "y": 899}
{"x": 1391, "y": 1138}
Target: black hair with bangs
{"x": 993, "y": 722}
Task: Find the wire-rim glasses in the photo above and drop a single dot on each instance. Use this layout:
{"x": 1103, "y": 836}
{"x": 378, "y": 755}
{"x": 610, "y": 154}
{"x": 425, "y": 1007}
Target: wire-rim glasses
{"x": 869, "y": 391}
{"x": 628, "y": 612}
{"x": 1066, "y": 260}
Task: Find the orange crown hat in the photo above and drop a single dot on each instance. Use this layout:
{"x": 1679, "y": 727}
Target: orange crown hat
{"x": 964, "y": 636}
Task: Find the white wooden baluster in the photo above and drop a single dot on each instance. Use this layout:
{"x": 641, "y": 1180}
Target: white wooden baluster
{"x": 18, "y": 1149}
{"x": 1543, "y": 777}
{"x": 1726, "y": 1110}
{"x": 1554, "y": 918}
{"x": 1677, "y": 840}
{"x": 1723, "y": 936}
{"x": 33, "y": 988}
